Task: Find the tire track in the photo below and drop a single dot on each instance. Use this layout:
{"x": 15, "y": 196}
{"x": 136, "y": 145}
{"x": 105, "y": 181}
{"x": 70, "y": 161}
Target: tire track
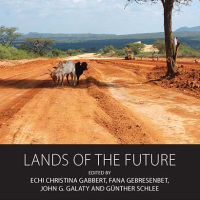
{"x": 16, "y": 104}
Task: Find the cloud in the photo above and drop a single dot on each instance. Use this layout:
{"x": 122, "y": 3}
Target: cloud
{"x": 95, "y": 16}
{"x": 61, "y": 5}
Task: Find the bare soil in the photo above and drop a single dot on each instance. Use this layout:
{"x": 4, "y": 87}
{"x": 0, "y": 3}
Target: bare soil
{"x": 117, "y": 102}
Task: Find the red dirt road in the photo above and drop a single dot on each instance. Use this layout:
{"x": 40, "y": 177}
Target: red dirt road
{"x": 114, "y": 104}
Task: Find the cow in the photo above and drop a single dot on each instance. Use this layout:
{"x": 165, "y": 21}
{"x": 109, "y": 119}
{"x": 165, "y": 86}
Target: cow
{"x": 80, "y": 67}
{"x": 64, "y": 67}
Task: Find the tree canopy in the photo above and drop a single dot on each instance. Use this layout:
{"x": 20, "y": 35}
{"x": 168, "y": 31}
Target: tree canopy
{"x": 109, "y": 49}
{"x": 37, "y": 45}
{"x": 8, "y": 35}
{"x": 175, "y": 2}
{"x": 160, "y": 45}
{"x": 135, "y": 48}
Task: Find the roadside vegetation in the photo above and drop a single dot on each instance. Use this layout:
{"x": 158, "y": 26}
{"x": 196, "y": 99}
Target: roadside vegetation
{"x": 12, "y": 53}
{"x": 134, "y": 48}
{"x": 184, "y": 50}
{"x": 137, "y": 49}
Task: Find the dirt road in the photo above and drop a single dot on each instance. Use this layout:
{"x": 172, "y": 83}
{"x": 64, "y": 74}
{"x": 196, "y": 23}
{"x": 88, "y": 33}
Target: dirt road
{"x": 114, "y": 104}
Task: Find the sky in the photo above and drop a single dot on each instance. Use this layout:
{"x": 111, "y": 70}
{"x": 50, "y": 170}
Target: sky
{"x": 92, "y": 16}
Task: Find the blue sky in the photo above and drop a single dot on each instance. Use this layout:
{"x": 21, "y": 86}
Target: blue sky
{"x": 91, "y": 16}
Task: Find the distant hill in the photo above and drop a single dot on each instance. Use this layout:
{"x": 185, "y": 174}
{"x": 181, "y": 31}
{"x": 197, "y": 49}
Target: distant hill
{"x": 60, "y": 36}
{"x": 88, "y": 40}
{"x": 186, "y": 29}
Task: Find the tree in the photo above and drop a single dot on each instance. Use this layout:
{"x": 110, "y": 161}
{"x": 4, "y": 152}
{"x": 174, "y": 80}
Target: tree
{"x": 135, "y": 47}
{"x": 56, "y": 52}
{"x": 160, "y": 45}
{"x": 101, "y": 51}
{"x": 71, "y": 52}
{"x": 93, "y": 49}
{"x": 109, "y": 49}
{"x": 8, "y": 35}
{"x": 81, "y": 50}
{"x": 37, "y": 45}
{"x": 171, "y": 52}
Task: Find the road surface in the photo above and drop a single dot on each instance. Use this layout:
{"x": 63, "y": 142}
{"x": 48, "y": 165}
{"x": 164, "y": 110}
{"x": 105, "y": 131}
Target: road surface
{"x": 114, "y": 104}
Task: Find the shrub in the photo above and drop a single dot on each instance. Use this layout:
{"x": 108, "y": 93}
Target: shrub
{"x": 101, "y": 51}
{"x": 160, "y": 45}
{"x": 12, "y": 53}
{"x": 109, "y": 49}
{"x": 56, "y": 52}
{"x": 134, "y": 48}
{"x": 120, "y": 53}
{"x": 186, "y": 51}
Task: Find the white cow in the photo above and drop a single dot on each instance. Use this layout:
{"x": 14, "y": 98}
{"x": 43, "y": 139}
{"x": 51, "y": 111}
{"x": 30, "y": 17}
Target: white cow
{"x": 64, "y": 67}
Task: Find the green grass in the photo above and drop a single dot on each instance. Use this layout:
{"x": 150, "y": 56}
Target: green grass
{"x": 12, "y": 53}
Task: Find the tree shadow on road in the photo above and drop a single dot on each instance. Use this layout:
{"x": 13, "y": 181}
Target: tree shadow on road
{"x": 84, "y": 83}
{"x": 25, "y": 83}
